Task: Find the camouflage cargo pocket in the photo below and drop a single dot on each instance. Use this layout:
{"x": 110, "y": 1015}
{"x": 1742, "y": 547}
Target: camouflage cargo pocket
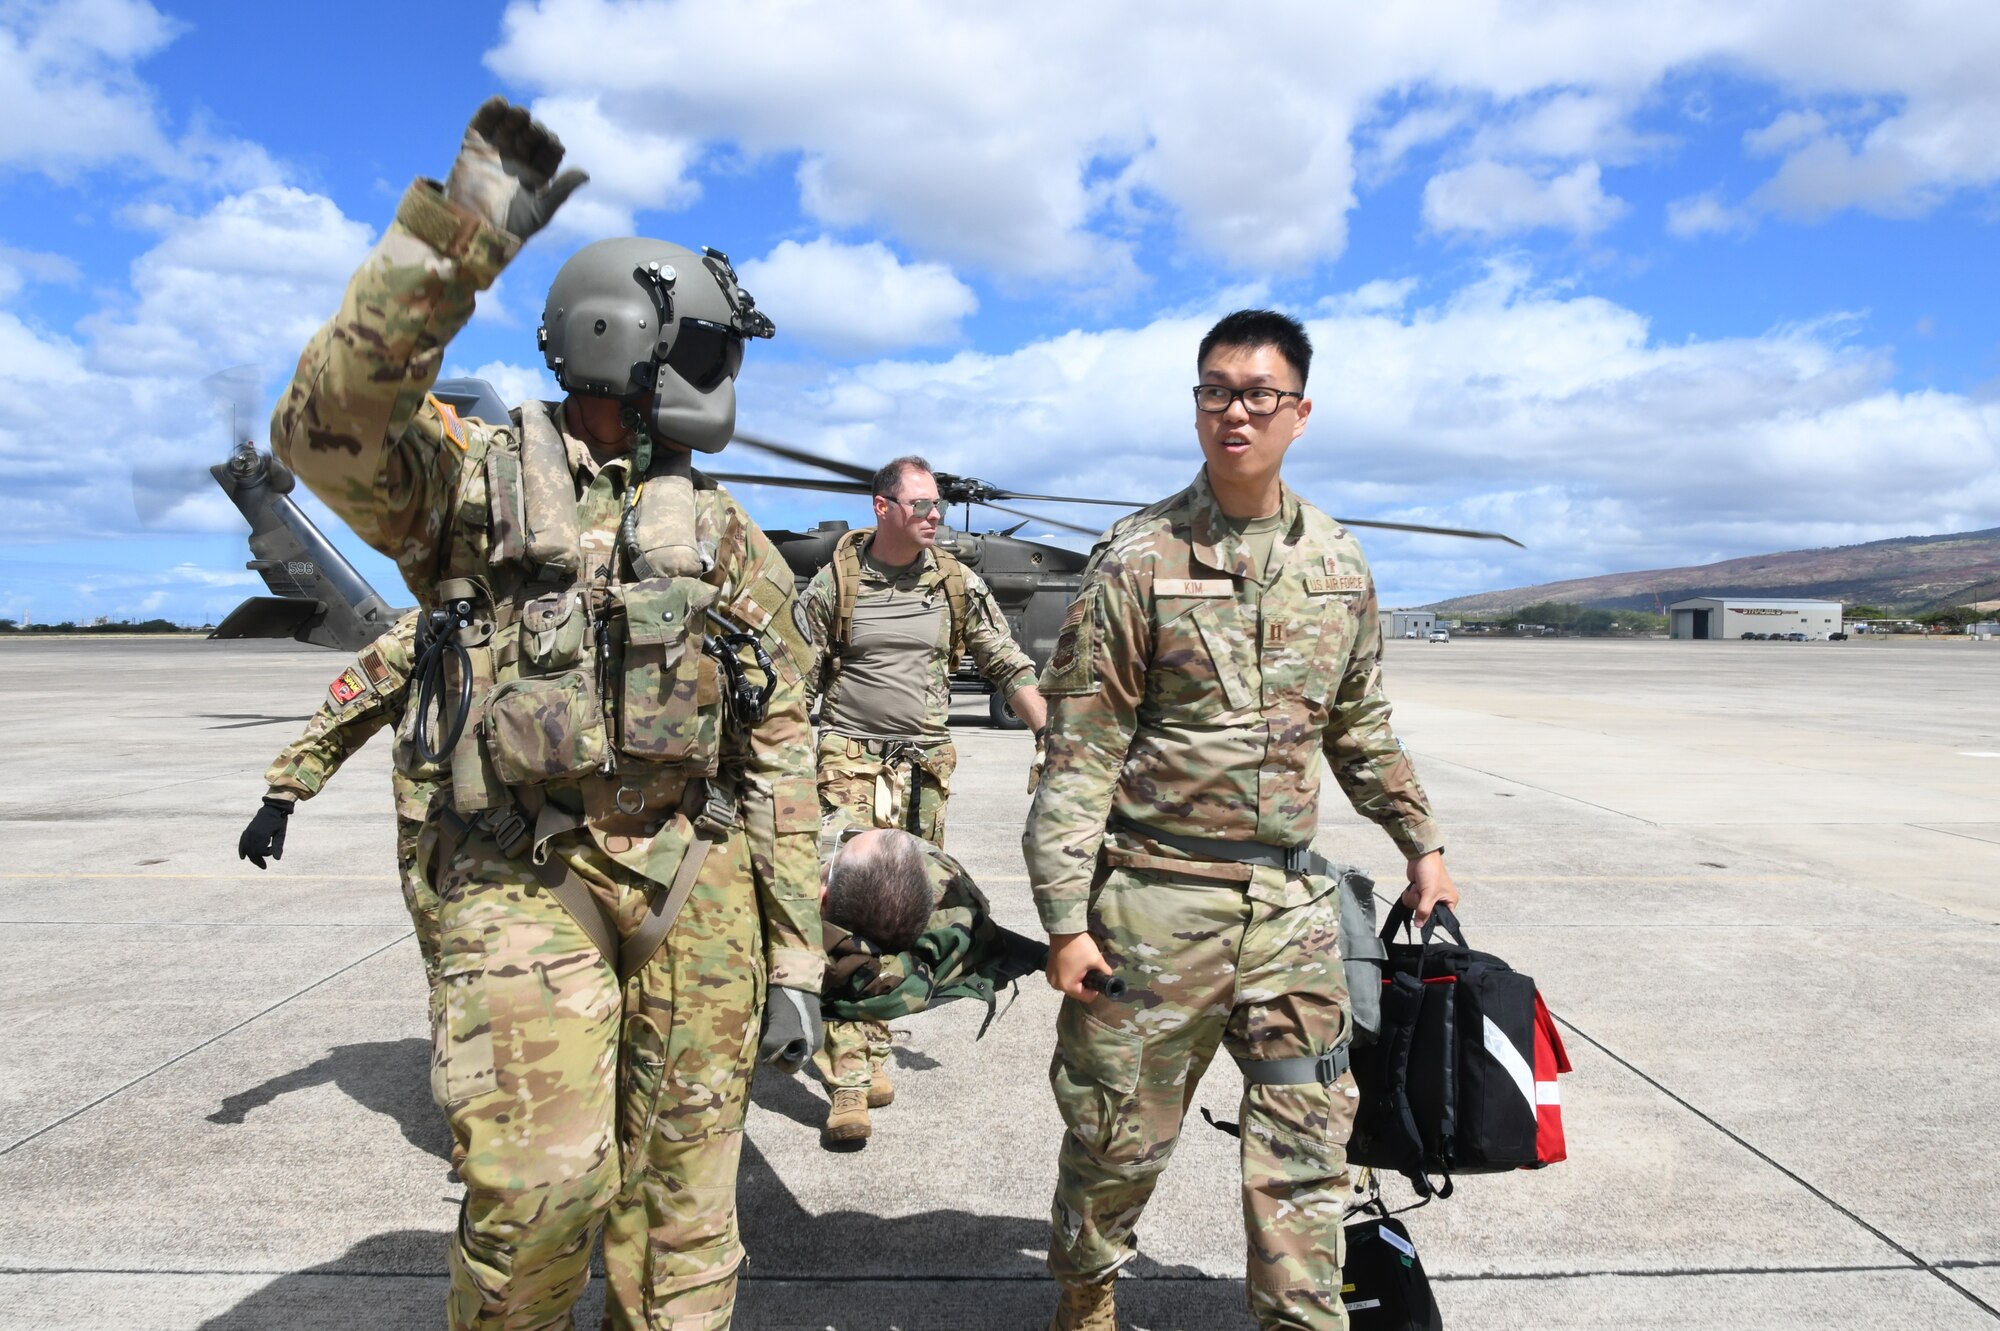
{"x": 642, "y": 1074}
{"x": 549, "y": 729}
{"x": 552, "y": 630}
{"x": 1096, "y": 1081}
{"x": 461, "y": 1022}
{"x": 670, "y": 710}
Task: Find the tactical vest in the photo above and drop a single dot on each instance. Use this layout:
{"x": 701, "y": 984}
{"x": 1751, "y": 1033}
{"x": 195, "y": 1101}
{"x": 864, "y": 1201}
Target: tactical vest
{"x": 846, "y": 566}
{"x": 578, "y": 673}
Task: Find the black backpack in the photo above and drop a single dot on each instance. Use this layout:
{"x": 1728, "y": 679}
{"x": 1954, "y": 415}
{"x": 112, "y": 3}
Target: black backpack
{"x": 1449, "y": 1085}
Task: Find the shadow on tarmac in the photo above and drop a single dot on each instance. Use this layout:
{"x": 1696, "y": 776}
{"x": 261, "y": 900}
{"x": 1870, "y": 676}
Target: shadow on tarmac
{"x": 846, "y": 1269}
{"x": 391, "y": 1077}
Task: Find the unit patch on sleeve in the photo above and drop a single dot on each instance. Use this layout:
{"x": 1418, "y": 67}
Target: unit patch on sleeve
{"x": 347, "y": 687}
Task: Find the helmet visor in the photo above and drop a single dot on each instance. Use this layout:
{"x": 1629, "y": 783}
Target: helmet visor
{"x": 704, "y": 353}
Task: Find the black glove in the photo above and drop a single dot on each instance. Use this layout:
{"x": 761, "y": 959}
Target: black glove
{"x": 266, "y": 833}
{"x": 506, "y": 169}
{"x": 793, "y": 1031}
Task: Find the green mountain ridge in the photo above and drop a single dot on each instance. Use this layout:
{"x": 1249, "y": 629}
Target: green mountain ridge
{"x": 1909, "y": 574}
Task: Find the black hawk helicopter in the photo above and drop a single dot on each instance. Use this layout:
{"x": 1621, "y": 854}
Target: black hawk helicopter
{"x": 318, "y": 597}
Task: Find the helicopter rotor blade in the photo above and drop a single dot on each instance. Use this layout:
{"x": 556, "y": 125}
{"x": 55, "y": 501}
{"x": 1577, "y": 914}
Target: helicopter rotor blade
{"x": 853, "y": 471}
{"x": 1432, "y": 531}
{"x": 161, "y": 485}
{"x": 1037, "y": 517}
{"x": 791, "y": 482}
{"x": 1066, "y": 499}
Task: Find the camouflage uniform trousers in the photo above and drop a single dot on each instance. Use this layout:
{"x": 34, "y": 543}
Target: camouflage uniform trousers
{"x": 848, "y": 774}
{"x": 418, "y": 895}
{"x": 1207, "y": 965}
{"x": 576, "y": 1105}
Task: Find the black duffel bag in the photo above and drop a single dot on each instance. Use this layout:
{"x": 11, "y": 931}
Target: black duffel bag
{"x": 1448, "y": 1086}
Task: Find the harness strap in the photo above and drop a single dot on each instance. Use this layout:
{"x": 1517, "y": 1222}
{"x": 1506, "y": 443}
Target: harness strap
{"x": 1324, "y": 1069}
{"x": 513, "y": 833}
{"x": 1300, "y": 1071}
{"x": 846, "y": 565}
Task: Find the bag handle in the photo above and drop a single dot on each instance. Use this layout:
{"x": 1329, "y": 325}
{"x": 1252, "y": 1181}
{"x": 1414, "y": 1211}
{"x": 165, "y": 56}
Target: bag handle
{"x": 1400, "y": 917}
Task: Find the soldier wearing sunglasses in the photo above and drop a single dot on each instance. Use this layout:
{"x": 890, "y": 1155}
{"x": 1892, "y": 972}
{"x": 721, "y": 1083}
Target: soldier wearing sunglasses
{"x": 888, "y": 620}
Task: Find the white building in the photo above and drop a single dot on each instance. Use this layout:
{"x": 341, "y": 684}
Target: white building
{"x": 1727, "y": 618}
{"x": 1411, "y": 623}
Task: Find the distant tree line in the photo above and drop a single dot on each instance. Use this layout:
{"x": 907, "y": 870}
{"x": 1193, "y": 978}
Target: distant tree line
{"x": 118, "y": 626}
{"x": 1583, "y": 621}
{"x": 1951, "y": 617}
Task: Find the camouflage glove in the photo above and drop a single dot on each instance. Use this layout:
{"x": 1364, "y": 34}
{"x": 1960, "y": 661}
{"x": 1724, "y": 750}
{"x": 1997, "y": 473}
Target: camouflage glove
{"x": 793, "y": 1030}
{"x": 266, "y": 833}
{"x": 505, "y": 167}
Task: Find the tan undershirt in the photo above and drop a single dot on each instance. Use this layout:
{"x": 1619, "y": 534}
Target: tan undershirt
{"x": 883, "y": 688}
{"x": 1258, "y": 536}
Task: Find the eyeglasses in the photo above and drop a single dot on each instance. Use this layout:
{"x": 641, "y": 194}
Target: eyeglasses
{"x": 919, "y": 508}
{"x": 1214, "y": 398}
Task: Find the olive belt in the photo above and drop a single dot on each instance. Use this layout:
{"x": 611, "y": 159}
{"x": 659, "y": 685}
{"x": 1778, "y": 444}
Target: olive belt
{"x": 522, "y": 830}
{"x": 1325, "y": 1067}
{"x": 1290, "y": 859}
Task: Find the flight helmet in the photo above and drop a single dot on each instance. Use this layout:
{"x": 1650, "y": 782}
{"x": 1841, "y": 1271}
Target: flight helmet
{"x": 633, "y": 316}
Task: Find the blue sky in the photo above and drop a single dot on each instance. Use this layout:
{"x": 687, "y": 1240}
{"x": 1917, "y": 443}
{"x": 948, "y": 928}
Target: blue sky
{"x": 1642, "y": 284}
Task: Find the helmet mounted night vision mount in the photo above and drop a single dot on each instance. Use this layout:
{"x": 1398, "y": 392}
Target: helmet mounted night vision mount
{"x": 631, "y": 317}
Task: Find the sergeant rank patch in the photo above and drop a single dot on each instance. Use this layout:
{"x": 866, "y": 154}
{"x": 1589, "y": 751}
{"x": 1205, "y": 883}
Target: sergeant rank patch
{"x": 347, "y": 687}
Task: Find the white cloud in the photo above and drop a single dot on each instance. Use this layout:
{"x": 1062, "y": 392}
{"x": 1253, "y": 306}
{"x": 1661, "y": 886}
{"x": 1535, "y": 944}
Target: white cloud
{"x": 1788, "y": 130}
{"x": 632, "y": 167}
{"x": 248, "y": 280}
{"x": 244, "y": 282}
{"x": 1706, "y": 214}
{"x": 1030, "y": 141}
{"x": 857, "y": 299}
{"x": 75, "y": 101}
{"x": 1494, "y": 199}
{"x": 1557, "y": 418}
{"x": 514, "y": 383}
{"x": 20, "y": 267}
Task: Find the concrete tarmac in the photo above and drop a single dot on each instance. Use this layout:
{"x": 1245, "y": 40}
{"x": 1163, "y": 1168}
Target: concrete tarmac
{"x": 1758, "y": 883}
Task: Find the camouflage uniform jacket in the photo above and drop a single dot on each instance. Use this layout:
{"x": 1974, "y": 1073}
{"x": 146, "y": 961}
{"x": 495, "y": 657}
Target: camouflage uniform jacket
{"x": 410, "y": 476}
{"x": 369, "y": 694}
{"x": 961, "y": 953}
{"x": 1000, "y": 660}
{"x": 1188, "y": 696}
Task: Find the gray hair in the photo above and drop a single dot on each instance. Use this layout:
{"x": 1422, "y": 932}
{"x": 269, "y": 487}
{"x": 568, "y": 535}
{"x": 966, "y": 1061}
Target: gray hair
{"x": 880, "y": 891}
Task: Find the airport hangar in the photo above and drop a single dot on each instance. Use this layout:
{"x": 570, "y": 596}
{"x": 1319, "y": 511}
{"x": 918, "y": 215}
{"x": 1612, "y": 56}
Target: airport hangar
{"x": 1727, "y": 618}
{"x": 1411, "y": 623}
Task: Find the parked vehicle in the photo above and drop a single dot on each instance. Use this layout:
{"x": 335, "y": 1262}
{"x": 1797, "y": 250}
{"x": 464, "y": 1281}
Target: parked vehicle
{"x": 1440, "y": 635}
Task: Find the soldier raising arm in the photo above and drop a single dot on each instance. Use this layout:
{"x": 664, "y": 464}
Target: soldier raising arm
{"x": 1224, "y": 646}
{"x": 612, "y": 679}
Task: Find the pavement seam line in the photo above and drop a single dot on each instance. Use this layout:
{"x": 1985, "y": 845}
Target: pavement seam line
{"x": 219, "y": 1035}
{"x": 1554, "y": 794}
{"x": 949, "y": 1278}
{"x": 1734, "y": 1136}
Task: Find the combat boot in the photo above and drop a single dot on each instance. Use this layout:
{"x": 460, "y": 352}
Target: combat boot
{"x": 846, "y": 1117}
{"x": 1085, "y": 1306}
{"x": 881, "y": 1091}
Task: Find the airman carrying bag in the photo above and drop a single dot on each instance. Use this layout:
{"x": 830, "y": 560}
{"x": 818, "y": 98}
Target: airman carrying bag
{"x": 1462, "y": 1077}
